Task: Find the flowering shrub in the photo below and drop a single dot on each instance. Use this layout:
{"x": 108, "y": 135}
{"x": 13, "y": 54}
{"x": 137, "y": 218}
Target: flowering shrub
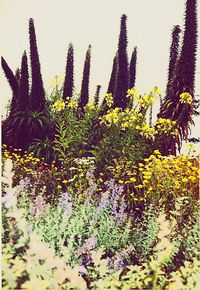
{"x": 95, "y": 205}
{"x": 27, "y": 261}
{"x": 163, "y": 178}
{"x": 97, "y": 243}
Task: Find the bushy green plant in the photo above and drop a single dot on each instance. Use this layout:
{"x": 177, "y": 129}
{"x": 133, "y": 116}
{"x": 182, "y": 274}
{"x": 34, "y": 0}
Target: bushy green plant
{"x": 44, "y": 149}
{"x": 68, "y": 228}
{"x": 95, "y": 242}
{"x": 153, "y": 274}
{"x": 28, "y": 262}
{"x": 71, "y": 134}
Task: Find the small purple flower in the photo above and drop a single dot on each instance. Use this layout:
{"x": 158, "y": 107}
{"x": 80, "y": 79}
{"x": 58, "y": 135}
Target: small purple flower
{"x": 114, "y": 188}
{"x": 86, "y": 260}
{"x": 120, "y": 265}
{"x": 25, "y": 182}
{"x": 116, "y": 262}
{"x": 120, "y": 214}
{"x": 65, "y": 203}
{"x": 82, "y": 270}
{"x": 7, "y": 199}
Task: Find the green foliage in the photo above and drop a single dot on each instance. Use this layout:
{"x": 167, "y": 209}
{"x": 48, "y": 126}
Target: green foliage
{"x": 70, "y": 134}
{"x": 145, "y": 234}
{"x": 44, "y": 149}
{"x": 28, "y": 262}
{"x": 93, "y": 244}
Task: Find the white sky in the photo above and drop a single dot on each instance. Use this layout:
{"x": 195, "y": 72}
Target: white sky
{"x": 95, "y": 22}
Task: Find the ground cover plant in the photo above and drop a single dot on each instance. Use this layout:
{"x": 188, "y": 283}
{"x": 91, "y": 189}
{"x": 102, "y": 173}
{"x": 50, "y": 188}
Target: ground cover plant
{"x": 96, "y": 195}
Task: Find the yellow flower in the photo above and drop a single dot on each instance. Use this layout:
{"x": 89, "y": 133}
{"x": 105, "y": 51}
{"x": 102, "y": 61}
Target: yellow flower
{"x": 64, "y": 181}
{"x": 192, "y": 178}
{"x": 177, "y": 185}
{"x": 157, "y": 152}
{"x": 133, "y": 94}
{"x": 90, "y": 106}
{"x": 132, "y": 179}
{"x": 186, "y": 98}
{"x": 121, "y": 181}
{"x": 59, "y": 105}
{"x": 109, "y": 100}
{"x": 72, "y": 104}
{"x": 145, "y": 182}
{"x": 59, "y": 186}
{"x": 184, "y": 180}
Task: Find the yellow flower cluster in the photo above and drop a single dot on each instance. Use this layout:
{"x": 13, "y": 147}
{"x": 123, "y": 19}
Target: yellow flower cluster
{"x": 169, "y": 175}
{"x": 123, "y": 119}
{"x": 59, "y": 105}
{"x": 72, "y": 104}
{"x": 166, "y": 126}
{"x": 133, "y": 94}
{"x": 128, "y": 119}
{"x": 146, "y": 100}
{"x": 90, "y": 107}
{"x": 109, "y": 100}
{"x": 26, "y": 162}
{"x": 186, "y": 98}
{"x": 112, "y": 117}
{"x": 147, "y": 132}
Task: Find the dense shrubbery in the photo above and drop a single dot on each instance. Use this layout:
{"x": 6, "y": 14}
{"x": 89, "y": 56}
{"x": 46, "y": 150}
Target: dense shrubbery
{"x": 94, "y": 196}
{"x": 95, "y": 205}
{"x": 74, "y": 224}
